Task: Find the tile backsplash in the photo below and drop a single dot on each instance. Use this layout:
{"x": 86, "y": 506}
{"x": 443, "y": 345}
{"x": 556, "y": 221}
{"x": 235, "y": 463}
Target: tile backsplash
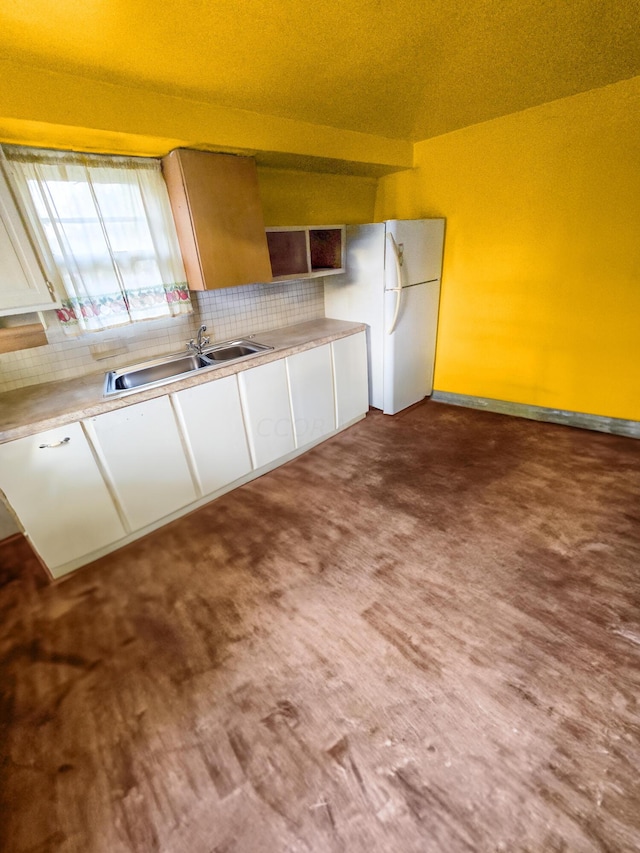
{"x": 228, "y": 313}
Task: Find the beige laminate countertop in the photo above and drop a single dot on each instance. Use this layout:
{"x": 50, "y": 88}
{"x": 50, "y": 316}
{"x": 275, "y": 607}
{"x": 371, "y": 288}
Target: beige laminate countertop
{"x": 30, "y": 410}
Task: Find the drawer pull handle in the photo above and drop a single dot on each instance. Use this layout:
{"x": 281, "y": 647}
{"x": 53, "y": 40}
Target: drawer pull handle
{"x": 56, "y": 443}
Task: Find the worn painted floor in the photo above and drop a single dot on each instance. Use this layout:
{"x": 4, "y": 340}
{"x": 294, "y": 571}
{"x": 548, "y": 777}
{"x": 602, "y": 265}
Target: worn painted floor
{"x": 424, "y": 635}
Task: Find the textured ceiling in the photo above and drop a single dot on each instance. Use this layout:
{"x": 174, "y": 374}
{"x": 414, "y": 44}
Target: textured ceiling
{"x": 401, "y": 68}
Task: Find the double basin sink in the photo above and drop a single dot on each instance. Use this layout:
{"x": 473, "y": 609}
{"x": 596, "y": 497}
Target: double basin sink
{"x": 169, "y": 368}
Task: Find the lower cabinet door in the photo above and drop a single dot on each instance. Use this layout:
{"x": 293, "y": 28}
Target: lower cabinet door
{"x": 264, "y": 392}
{"x": 211, "y": 416}
{"x": 55, "y": 487}
{"x": 311, "y": 384}
{"x": 351, "y": 377}
{"x": 141, "y": 450}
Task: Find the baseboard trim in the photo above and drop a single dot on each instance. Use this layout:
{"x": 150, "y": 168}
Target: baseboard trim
{"x": 615, "y": 426}
{"x": 12, "y": 537}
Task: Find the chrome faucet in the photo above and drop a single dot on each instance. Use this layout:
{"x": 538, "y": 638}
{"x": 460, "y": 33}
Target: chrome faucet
{"x": 196, "y": 346}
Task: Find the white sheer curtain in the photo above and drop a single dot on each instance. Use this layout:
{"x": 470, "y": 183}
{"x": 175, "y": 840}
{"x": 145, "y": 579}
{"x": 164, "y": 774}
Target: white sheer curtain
{"x": 107, "y": 224}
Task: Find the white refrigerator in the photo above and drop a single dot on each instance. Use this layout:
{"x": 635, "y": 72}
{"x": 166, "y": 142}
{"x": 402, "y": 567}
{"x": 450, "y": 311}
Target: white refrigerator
{"x": 392, "y": 284}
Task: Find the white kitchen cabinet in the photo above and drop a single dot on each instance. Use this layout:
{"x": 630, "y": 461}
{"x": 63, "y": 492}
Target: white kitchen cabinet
{"x": 94, "y": 486}
{"x": 312, "y": 401}
{"x": 23, "y": 287}
{"x": 56, "y": 489}
{"x": 351, "y": 378}
{"x": 213, "y": 426}
{"x": 141, "y": 451}
{"x": 264, "y": 392}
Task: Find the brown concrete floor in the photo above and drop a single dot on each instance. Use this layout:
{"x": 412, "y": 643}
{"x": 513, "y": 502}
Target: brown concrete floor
{"x": 424, "y": 635}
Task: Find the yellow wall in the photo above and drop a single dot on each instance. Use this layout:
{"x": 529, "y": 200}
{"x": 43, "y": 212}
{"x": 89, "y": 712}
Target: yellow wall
{"x": 310, "y": 198}
{"x": 541, "y": 282}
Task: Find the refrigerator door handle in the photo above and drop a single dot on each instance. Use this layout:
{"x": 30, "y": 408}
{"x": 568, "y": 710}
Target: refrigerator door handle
{"x": 397, "y": 254}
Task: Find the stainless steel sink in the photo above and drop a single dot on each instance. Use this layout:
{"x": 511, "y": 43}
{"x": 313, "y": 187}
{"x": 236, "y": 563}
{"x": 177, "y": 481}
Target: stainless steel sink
{"x": 151, "y": 372}
{"x": 170, "y": 368}
{"x": 231, "y": 350}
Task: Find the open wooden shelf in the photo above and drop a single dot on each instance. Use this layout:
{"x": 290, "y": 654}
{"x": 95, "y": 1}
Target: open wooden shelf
{"x": 306, "y": 251}
{"x": 22, "y": 337}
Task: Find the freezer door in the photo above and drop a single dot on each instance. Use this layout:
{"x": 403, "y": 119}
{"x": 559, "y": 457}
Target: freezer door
{"x": 409, "y": 353}
{"x": 421, "y": 242}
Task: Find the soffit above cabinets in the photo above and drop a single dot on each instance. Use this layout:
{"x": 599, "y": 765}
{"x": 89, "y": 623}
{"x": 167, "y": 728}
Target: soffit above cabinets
{"x": 50, "y": 109}
{"x": 406, "y": 70}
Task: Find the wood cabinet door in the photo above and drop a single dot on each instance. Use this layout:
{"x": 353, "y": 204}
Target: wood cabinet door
{"x": 141, "y": 451}
{"x": 312, "y": 394}
{"x": 213, "y": 426}
{"x": 266, "y": 405}
{"x": 54, "y": 485}
{"x": 216, "y": 206}
{"x": 351, "y": 378}
{"x": 22, "y": 283}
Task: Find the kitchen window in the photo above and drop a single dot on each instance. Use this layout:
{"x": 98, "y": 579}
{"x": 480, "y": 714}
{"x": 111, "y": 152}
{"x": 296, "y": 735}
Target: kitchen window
{"x": 107, "y": 235}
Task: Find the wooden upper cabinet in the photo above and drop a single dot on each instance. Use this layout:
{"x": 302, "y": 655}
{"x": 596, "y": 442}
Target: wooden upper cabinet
{"x": 216, "y": 206}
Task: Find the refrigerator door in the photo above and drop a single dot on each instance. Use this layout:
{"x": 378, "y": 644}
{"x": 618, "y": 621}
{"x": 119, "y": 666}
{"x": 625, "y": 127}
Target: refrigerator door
{"x": 420, "y": 242}
{"x": 409, "y": 353}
